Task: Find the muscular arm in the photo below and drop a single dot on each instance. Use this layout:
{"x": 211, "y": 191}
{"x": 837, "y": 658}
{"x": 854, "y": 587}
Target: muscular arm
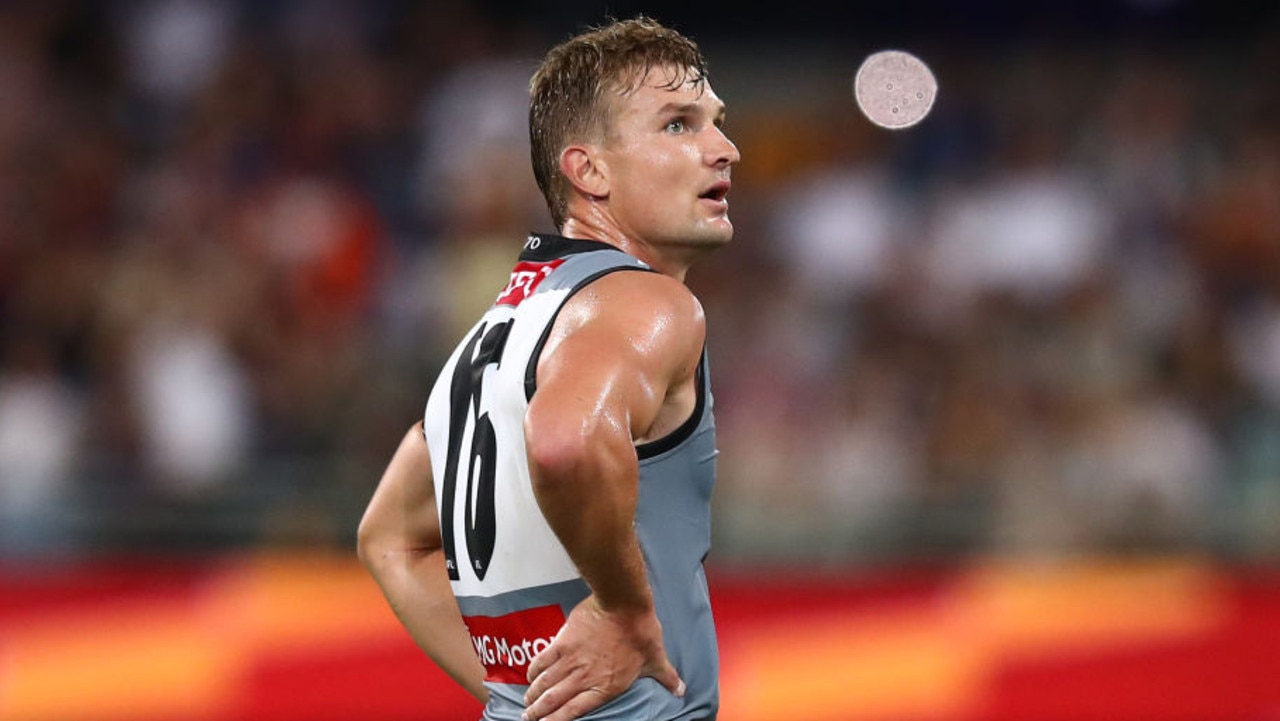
{"x": 618, "y": 368}
{"x": 399, "y": 542}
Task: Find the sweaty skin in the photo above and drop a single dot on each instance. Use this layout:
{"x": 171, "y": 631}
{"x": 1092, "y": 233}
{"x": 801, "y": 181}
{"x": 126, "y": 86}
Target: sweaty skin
{"x": 620, "y": 368}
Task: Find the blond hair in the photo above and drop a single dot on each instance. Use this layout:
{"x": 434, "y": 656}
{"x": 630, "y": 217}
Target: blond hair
{"x": 571, "y": 92}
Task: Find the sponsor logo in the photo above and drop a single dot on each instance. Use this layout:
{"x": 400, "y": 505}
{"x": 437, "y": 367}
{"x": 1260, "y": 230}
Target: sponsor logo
{"x": 507, "y": 644}
{"x": 525, "y": 278}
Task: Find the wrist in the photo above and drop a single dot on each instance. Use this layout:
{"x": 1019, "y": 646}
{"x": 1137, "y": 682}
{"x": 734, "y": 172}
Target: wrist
{"x": 623, "y": 608}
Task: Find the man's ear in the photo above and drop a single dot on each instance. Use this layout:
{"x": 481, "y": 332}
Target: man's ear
{"x": 584, "y": 167}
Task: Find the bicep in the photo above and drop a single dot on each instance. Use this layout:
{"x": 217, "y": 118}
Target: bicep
{"x": 402, "y": 512}
{"x": 618, "y": 352}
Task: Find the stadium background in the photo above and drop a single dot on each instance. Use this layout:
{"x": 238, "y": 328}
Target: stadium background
{"x": 999, "y": 396}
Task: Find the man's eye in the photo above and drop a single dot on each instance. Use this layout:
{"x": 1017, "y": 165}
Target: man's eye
{"x": 675, "y": 126}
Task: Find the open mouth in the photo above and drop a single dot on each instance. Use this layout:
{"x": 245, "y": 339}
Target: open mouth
{"x": 716, "y": 192}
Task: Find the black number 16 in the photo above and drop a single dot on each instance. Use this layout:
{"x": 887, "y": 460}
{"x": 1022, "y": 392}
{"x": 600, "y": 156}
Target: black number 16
{"x": 464, "y": 404}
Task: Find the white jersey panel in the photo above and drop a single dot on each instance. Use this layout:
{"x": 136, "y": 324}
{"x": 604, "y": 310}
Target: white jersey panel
{"x": 481, "y": 391}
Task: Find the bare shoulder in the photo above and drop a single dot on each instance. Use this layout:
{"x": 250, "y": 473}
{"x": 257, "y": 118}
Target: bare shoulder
{"x": 648, "y": 309}
{"x": 627, "y": 347}
{"x": 633, "y": 324}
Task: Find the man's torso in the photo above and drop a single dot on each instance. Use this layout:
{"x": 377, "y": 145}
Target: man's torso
{"x": 514, "y": 582}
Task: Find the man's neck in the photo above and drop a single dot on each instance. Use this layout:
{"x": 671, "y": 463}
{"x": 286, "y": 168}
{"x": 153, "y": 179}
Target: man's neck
{"x": 665, "y": 260}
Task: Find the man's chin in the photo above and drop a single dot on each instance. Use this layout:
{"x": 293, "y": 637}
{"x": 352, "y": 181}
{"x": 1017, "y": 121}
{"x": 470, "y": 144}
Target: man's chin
{"x": 715, "y": 233}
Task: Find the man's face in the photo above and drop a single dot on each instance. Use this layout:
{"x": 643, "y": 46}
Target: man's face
{"x": 669, "y": 163}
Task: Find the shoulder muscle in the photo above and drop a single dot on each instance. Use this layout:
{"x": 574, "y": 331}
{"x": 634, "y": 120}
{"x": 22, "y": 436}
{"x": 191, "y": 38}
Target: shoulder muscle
{"x": 624, "y": 341}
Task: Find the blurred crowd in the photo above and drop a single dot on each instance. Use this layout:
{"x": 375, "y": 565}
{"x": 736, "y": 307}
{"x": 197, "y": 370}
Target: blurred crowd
{"x": 237, "y": 239}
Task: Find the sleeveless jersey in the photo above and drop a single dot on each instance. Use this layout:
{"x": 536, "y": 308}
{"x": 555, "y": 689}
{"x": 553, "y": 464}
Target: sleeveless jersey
{"x": 514, "y": 582}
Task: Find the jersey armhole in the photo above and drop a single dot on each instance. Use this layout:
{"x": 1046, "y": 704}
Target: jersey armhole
{"x": 668, "y": 442}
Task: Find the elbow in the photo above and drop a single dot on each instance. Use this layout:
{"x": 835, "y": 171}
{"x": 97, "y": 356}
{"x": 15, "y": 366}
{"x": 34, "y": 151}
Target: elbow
{"x": 561, "y": 456}
{"x": 555, "y": 454}
{"x": 382, "y": 545}
{"x": 369, "y": 545}
{"x": 364, "y": 547}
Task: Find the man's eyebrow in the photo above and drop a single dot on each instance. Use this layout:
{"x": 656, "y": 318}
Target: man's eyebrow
{"x": 717, "y": 112}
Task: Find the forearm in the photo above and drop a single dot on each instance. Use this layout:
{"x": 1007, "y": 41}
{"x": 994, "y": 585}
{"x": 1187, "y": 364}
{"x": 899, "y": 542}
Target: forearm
{"x": 399, "y": 542}
{"x": 589, "y": 500}
{"x": 417, "y": 588}
{"x": 613, "y": 636}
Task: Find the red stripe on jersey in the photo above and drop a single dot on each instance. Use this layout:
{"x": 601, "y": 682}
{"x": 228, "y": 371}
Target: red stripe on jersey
{"x": 506, "y": 644}
{"x": 525, "y": 278}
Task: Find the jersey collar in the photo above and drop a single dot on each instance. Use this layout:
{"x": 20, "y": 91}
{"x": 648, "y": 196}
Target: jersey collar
{"x": 540, "y": 248}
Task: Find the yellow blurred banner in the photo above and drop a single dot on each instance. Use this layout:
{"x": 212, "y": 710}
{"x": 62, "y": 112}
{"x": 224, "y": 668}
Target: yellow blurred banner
{"x": 309, "y": 637}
